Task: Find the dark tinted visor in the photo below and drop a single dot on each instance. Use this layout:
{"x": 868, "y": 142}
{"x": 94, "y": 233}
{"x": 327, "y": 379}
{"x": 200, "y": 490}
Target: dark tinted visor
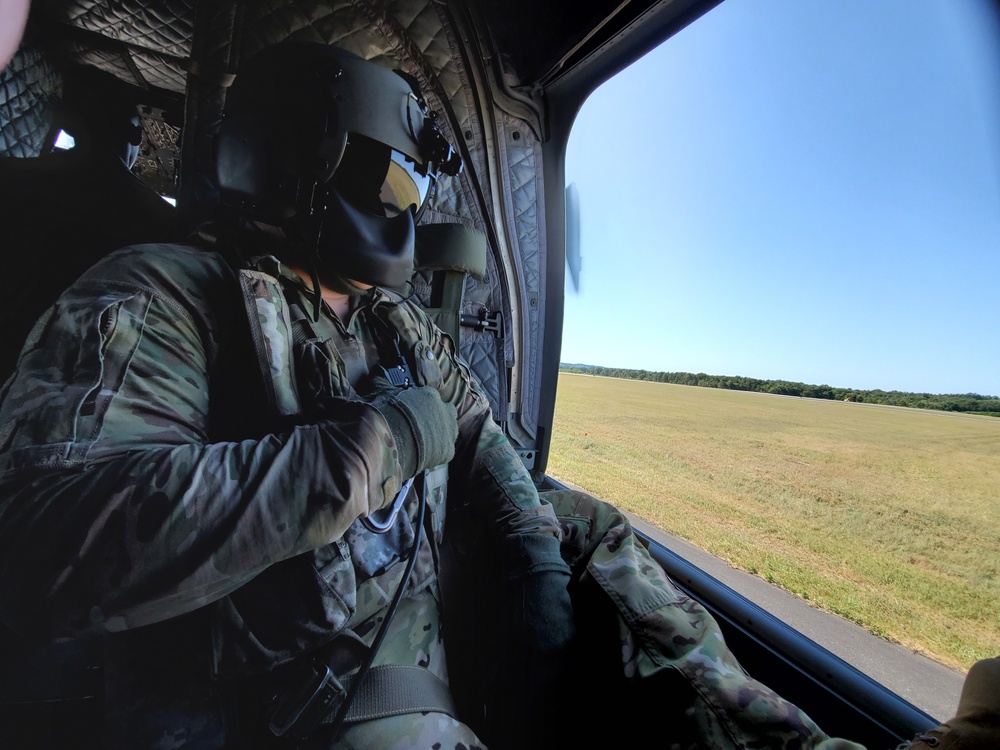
{"x": 379, "y": 180}
{"x": 404, "y": 186}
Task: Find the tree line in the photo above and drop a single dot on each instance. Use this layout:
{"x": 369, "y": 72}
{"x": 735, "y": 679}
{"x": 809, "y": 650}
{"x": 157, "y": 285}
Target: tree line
{"x": 972, "y": 403}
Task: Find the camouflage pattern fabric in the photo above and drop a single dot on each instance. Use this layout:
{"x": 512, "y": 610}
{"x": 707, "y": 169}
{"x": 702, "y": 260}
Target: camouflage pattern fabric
{"x": 107, "y": 433}
{"x": 142, "y": 478}
{"x": 106, "y": 436}
{"x": 433, "y": 731}
{"x": 663, "y": 631}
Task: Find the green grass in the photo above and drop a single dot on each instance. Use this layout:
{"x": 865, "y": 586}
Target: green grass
{"x": 889, "y": 517}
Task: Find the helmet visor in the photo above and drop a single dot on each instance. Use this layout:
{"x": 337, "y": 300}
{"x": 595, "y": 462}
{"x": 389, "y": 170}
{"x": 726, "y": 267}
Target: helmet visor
{"x": 380, "y": 180}
{"x": 404, "y": 186}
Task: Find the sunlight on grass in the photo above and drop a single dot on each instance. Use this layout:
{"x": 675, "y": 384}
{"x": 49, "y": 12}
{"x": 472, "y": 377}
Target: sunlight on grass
{"x": 885, "y": 516}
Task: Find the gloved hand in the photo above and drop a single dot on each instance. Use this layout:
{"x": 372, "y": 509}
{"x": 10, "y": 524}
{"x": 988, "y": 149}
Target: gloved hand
{"x": 424, "y": 427}
{"x": 538, "y": 609}
{"x": 535, "y": 647}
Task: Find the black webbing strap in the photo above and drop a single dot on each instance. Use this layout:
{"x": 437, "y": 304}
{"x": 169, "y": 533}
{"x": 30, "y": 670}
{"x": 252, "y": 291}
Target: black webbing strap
{"x": 372, "y": 692}
{"x": 392, "y": 689}
{"x": 39, "y": 673}
{"x": 385, "y": 690}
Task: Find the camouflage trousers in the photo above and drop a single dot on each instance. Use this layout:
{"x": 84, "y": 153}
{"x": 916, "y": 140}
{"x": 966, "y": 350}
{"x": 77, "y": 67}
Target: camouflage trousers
{"x": 657, "y": 639}
{"x": 667, "y": 639}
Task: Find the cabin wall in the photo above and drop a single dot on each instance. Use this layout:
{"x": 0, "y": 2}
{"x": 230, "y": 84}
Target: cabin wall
{"x": 29, "y": 88}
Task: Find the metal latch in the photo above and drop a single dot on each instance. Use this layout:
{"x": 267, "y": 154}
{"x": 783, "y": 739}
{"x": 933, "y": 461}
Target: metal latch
{"x": 381, "y": 526}
{"x": 398, "y": 374}
{"x": 484, "y": 321}
{"x": 298, "y": 712}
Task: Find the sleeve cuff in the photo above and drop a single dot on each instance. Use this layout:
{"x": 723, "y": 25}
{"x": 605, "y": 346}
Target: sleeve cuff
{"x": 530, "y": 554}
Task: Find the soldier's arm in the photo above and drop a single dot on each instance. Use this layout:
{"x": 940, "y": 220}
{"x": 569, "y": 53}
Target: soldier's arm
{"x": 492, "y": 482}
{"x": 115, "y": 510}
{"x": 534, "y": 621}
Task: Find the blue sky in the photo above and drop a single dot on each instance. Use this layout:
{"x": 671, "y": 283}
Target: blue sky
{"x": 798, "y": 189}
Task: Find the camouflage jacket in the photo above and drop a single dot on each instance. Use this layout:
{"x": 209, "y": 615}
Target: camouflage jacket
{"x": 149, "y": 469}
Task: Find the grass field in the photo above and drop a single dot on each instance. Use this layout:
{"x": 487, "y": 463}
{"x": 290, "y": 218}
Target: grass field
{"x": 887, "y": 516}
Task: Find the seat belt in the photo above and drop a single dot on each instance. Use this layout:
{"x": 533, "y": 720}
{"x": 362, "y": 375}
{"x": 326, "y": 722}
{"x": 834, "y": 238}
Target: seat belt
{"x": 386, "y": 690}
{"x": 450, "y": 251}
{"x": 394, "y": 689}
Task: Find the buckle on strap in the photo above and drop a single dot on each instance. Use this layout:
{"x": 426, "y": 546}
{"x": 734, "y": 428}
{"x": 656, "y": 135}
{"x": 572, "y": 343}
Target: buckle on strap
{"x": 386, "y": 690}
{"x": 297, "y": 713}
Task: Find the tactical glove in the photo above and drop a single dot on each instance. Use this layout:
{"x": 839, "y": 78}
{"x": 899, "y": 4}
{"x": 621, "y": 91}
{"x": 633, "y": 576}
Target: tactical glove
{"x": 535, "y": 644}
{"x": 538, "y": 612}
{"x": 424, "y": 427}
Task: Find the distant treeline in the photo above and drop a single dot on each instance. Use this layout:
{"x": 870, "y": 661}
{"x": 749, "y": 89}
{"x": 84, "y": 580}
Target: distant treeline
{"x": 972, "y": 403}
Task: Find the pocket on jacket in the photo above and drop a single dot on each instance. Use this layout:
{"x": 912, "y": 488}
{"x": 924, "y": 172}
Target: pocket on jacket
{"x": 428, "y": 369}
{"x": 72, "y": 366}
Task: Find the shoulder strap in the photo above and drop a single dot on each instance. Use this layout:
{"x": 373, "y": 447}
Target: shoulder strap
{"x": 271, "y": 332}
{"x": 266, "y": 309}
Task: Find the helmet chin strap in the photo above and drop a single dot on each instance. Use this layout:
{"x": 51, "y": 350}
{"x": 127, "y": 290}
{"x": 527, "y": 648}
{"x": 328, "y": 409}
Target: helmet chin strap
{"x": 354, "y": 245}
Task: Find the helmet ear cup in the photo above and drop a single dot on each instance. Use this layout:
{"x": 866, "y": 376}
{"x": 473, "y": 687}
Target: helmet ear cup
{"x": 273, "y": 146}
{"x": 242, "y": 165}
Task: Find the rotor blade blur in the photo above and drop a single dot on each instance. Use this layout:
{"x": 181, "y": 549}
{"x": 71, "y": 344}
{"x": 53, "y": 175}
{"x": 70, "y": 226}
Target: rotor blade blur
{"x": 573, "y": 234}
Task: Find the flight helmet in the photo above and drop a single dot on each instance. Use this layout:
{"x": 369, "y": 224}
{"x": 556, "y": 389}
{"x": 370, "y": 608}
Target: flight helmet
{"x": 338, "y": 151}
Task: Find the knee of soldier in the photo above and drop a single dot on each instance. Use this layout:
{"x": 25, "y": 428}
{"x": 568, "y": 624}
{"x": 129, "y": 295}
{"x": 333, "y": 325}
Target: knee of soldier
{"x": 585, "y": 521}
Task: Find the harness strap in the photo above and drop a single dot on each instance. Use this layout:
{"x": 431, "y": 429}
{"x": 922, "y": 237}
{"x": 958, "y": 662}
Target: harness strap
{"x": 270, "y": 327}
{"x": 446, "y": 310}
{"x": 394, "y": 689}
{"x": 384, "y": 690}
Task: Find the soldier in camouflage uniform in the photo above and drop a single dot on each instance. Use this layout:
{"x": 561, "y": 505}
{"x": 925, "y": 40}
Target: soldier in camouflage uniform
{"x": 189, "y": 441}
{"x": 193, "y": 448}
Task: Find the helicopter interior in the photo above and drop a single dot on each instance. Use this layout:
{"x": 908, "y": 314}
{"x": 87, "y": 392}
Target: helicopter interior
{"x": 508, "y": 79}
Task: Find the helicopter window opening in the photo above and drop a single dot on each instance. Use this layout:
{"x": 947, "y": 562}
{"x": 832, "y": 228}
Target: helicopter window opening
{"x": 64, "y": 141}
{"x": 825, "y": 186}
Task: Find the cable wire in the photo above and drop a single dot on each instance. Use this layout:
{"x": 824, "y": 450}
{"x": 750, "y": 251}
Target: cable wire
{"x": 359, "y": 678}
